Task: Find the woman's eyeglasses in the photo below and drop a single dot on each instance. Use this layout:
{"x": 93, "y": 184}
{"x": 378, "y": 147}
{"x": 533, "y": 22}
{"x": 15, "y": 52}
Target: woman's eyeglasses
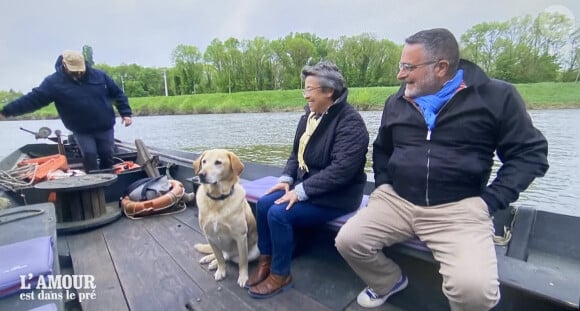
{"x": 308, "y": 91}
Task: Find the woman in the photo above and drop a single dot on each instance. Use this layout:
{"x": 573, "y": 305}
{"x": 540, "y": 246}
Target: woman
{"x": 323, "y": 179}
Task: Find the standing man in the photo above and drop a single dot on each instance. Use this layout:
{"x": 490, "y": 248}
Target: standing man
{"x": 432, "y": 160}
{"x": 82, "y": 96}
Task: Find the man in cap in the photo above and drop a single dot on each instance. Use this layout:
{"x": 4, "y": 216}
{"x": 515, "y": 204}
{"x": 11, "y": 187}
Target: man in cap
{"x": 82, "y": 96}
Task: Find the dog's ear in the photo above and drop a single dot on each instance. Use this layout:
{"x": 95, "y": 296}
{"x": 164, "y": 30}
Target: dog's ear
{"x": 197, "y": 163}
{"x": 237, "y": 165}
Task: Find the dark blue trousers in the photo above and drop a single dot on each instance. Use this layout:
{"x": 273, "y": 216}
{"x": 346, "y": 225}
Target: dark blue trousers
{"x": 276, "y": 227}
{"x": 97, "y": 149}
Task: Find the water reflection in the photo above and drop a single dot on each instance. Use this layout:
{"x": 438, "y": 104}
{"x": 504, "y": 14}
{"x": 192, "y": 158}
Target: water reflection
{"x": 272, "y": 154}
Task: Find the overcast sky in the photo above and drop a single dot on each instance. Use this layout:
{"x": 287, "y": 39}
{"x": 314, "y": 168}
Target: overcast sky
{"x": 145, "y": 32}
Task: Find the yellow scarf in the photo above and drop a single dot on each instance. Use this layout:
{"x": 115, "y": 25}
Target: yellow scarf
{"x": 311, "y": 125}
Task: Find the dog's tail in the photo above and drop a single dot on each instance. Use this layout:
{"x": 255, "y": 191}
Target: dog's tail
{"x": 203, "y": 248}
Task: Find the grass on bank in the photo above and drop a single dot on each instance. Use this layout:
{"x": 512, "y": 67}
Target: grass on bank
{"x": 547, "y": 95}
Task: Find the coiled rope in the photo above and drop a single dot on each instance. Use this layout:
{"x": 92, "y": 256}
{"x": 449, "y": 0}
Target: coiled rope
{"x": 18, "y": 177}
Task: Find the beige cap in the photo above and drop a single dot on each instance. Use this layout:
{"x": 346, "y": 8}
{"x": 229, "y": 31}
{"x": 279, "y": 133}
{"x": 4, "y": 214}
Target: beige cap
{"x": 73, "y": 60}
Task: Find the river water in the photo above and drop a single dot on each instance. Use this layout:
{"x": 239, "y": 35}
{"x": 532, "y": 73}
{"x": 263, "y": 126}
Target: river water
{"x": 266, "y": 138}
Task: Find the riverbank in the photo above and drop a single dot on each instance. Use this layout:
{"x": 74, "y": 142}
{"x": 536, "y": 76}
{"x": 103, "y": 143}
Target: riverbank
{"x": 547, "y": 95}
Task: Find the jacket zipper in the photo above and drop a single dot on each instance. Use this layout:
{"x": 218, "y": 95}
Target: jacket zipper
{"x": 428, "y": 138}
{"x": 428, "y": 170}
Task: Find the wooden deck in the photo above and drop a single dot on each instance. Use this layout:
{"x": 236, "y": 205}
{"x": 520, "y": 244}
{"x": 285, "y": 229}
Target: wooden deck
{"x": 150, "y": 264}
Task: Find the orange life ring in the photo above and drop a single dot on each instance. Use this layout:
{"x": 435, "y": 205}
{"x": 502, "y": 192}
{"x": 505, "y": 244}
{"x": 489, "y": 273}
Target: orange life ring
{"x": 143, "y": 208}
{"x": 123, "y": 166}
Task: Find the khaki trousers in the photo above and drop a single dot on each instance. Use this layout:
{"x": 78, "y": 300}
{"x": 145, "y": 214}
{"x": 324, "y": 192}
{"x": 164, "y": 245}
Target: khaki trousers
{"x": 460, "y": 235}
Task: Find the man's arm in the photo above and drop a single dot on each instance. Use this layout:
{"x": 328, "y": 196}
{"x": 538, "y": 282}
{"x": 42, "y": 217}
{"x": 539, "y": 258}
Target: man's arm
{"x": 121, "y": 100}
{"x": 37, "y": 98}
{"x": 523, "y": 151}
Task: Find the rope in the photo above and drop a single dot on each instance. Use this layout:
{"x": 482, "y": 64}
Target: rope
{"x": 18, "y": 177}
{"x": 180, "y": 204}
{"x": 507, "y": 232}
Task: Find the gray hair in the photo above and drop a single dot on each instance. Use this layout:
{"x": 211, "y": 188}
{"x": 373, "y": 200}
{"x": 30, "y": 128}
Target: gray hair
{"x": 328, "y": 75}
{"x": 439, "y": 44}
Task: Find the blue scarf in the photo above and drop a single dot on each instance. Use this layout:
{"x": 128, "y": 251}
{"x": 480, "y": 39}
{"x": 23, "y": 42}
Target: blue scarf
{"x": 430, "y": 104}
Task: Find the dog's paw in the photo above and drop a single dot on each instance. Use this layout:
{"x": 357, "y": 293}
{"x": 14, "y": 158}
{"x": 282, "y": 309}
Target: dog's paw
{"x": 207, "y": 259}
{"x": 220, "y": 274}
{"x": 242, "y": 279}
{"x": 213, "y": 265}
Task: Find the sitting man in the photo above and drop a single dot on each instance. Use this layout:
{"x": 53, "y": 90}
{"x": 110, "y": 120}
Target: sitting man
{"x": 432, "y": 160}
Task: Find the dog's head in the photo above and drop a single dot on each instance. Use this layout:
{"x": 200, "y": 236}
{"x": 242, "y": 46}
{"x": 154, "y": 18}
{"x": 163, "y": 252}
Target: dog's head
{"x": 218, "y": 165}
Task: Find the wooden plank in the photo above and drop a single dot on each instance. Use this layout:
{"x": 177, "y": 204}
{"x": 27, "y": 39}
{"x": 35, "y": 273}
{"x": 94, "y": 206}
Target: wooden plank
{"x": 150, "y": 278}
{"x": 102, "y": 201}
{"x": 218, "y": 300}
{"x": 215, "y": 295}
{"x": 189, "y": 218}
{"x": 386, "y": 307}
{"x": 58, "y": 208}
{"x": 73, "y": 203}
{"x": 229, "y": 296}
{"x": 86, "y": 205}
{"x": 167, "y": 230}
{"x": 95, "y": 203}
{"x": 90, "y": 256}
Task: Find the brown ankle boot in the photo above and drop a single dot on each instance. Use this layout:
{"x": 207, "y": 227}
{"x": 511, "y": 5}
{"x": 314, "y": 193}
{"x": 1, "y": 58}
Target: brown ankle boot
{"x": 261, "y": 272}
{"x": 272, "y": 285}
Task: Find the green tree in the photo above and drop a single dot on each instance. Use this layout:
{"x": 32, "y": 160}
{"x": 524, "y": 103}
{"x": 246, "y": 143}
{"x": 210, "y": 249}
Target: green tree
{"x": 366, "y": 61}
{"x": 258, "y": 64}
{"x": 218, "y": 69}
{"x": 188, "y": 66}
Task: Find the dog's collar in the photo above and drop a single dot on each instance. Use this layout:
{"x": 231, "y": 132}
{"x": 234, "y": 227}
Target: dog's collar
{"x": 221, "y": 197}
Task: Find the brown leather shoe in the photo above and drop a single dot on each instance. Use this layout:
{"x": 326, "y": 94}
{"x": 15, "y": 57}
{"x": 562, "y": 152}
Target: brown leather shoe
{"x": 272, "y": 285}
{"x": 261, "y": 272}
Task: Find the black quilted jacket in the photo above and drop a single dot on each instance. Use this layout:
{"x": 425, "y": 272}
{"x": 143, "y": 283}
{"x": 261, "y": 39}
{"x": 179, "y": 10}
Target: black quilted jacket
{"x": 336, "y": 157}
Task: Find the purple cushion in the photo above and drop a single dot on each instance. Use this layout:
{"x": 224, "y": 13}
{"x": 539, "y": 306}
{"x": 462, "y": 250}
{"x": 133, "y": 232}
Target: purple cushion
{"x": 34, "y": 256}
{"x": 255, "y": 189}
{"x": 49, "y": 307}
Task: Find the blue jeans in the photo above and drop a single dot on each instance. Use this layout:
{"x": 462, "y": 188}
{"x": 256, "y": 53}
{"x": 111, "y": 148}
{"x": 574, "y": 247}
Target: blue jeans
{"x": 96, "y": 146}
{"x": 276, "y": 227}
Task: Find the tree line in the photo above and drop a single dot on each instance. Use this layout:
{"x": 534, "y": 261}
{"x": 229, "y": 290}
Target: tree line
{"x": 526, "y": 49}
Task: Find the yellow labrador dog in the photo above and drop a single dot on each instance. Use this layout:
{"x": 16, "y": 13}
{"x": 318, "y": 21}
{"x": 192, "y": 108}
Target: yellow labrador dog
{"x": 224, "y": 214}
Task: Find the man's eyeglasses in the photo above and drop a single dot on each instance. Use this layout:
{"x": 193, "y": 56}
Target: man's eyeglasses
{"x": 308, "y": 91}
{"x": 407, "y": 68}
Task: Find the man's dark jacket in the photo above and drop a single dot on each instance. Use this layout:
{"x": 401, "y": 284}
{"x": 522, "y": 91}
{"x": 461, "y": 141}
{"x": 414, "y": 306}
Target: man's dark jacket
{"x": 84, "y": 106}
{"x": 456, "y": 162}
{"x": 335, "y": 156}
